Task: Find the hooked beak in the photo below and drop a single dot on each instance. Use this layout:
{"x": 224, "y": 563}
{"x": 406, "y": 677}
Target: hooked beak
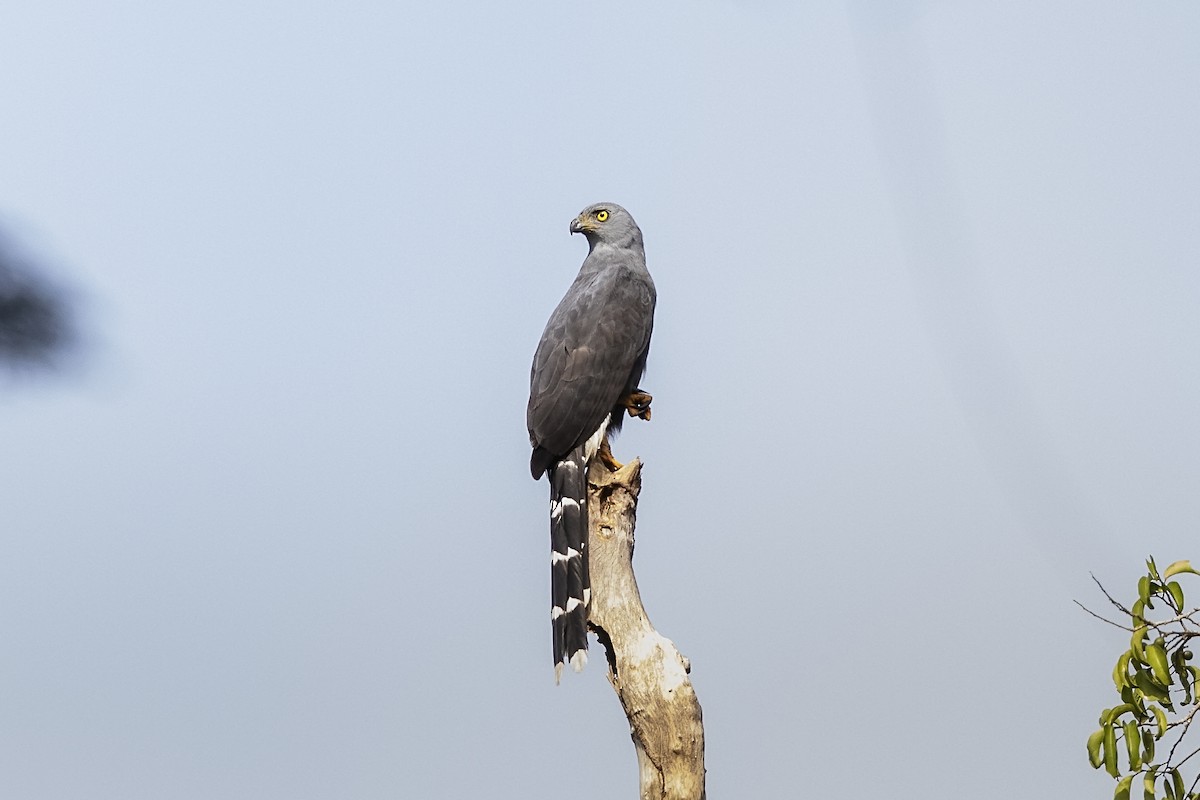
{"x": 578, "y": 226}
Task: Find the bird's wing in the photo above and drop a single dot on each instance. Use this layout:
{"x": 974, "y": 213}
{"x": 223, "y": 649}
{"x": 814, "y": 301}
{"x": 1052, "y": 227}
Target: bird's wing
{"x": 590, "y": 345}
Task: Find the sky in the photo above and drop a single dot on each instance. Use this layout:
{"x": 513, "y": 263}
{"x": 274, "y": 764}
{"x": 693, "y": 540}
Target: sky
{"x": 924, "y": 359}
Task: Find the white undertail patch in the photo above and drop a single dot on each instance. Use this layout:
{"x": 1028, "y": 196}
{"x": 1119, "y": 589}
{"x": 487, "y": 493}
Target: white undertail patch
{"x": 592, "y": 445}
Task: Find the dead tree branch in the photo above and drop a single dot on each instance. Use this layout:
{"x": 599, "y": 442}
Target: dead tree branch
{"x": 647, "y": 672}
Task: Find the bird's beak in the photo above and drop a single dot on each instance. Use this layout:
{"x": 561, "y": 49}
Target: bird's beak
{"x": 577, "y": 225}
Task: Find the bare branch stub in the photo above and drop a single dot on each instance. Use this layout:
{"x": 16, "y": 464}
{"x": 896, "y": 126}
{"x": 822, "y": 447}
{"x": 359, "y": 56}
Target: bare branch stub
{"x": 646, "y": 670}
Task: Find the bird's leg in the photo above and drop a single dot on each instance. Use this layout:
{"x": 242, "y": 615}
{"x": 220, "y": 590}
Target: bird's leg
{"x": 606, "y": 457}
{"x": 637, "y": 403}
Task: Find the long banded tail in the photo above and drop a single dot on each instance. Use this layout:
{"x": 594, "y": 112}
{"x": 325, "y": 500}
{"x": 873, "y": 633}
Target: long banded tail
{"x": 570, "y": 586}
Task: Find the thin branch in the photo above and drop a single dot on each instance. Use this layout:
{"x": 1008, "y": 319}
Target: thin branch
{"x": 1185, "y": 758}
{"x": 1179, "y": 618}
{"x": 1158, "y": 625}
{"x": 1187, "y": 723}
{"x": 1102, "y": 619}
{"x": 1111, "y": 599}
{"x": 1186, "y": 720}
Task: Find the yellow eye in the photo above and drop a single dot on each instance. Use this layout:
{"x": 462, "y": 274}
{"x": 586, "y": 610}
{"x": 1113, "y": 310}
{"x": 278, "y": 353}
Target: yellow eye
{"x": 602, "y": 215}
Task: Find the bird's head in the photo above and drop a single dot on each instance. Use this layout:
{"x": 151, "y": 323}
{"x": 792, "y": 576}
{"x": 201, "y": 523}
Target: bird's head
{"x": 607, "y": 223}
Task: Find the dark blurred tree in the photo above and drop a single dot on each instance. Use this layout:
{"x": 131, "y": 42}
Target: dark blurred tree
{"x": 35, "y": 314}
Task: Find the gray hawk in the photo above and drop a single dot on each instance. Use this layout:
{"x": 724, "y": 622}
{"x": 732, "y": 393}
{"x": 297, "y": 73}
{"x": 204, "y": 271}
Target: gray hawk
{"x": 585, "y": 377}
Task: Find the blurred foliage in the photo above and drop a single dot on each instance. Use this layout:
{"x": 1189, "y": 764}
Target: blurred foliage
{"x": 1141, "y": 740}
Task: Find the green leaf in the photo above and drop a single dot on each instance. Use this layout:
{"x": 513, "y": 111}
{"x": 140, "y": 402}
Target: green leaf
{"x": 1148, "y": 785}
{"x": 1156, "y": 657}
{"x": 1185, "y": 675}
{"x": 1114, "y": 716}
{"x": 1144, "y": 589}
{"x": 1138, "y": 612}
{"x": 1123, "y": 785}
{"x": 1177, "y": 782}
{"x": 1121, "y": 670}
{"x": 1179, "y": 567}
{"x": 1110, "y": 751}
{"x": 1137, "y": 699}
{"x": 1146, "y": 683}
{"x": 1176, "y": 592}
{"x": 1160, "y": 717}
{"x": 1148, "y": 748}
{"x": 1094, "y": 743}
{"x": 1152, "y": 567}
{"x": 1135, "y": 643}
{"x": 1133, "y": 745}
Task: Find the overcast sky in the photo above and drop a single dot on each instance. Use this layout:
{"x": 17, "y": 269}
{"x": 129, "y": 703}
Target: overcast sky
{"x": 925, "y": 355}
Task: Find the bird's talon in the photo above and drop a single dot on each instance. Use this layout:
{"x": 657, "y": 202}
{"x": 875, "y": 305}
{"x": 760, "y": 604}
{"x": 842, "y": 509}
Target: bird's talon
{"x": 637, "y": 403}
{"x": 606, "y": 457}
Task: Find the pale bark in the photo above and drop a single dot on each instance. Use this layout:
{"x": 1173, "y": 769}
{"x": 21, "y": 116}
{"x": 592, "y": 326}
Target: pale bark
{"x": 647, "y": 672}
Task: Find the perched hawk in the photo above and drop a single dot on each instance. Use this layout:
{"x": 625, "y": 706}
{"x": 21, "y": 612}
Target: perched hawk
{"x": 585, "y": 376}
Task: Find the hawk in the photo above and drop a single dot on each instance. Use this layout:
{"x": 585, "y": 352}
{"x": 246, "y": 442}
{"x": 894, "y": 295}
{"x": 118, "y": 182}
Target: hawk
{"x": 584, "y": 379}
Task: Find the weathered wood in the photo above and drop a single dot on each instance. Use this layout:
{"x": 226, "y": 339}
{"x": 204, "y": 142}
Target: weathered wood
{"x": 649, "y": 675}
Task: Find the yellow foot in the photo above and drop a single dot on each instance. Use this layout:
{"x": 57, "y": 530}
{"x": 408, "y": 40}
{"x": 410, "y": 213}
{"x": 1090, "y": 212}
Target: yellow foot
{"x": 637, "y": 403}
{"x": 606, "y": 457}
